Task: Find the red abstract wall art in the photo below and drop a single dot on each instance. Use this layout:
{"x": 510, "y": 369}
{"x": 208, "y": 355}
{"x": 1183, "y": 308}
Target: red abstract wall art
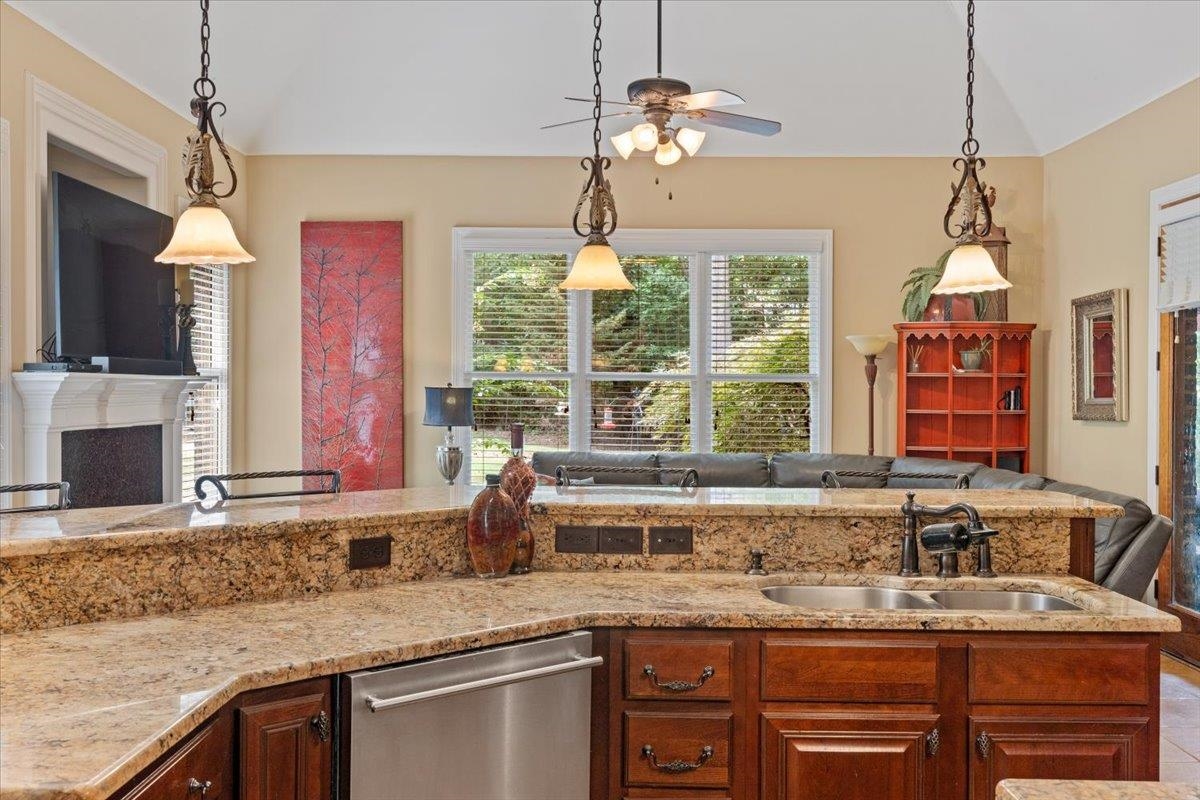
{"x": 352, "y": 351}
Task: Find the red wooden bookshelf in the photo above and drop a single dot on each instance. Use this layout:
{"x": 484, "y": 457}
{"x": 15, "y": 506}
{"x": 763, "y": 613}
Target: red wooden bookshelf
{"x": 946, "y": 412}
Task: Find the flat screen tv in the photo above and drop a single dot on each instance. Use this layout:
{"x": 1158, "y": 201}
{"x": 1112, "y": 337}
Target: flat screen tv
{"x": 108, "y": 289}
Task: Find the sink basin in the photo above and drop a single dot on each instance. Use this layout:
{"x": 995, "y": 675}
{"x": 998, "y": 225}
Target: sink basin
{"x": 1001, "y": 601}
{"x": 846, "y": 597}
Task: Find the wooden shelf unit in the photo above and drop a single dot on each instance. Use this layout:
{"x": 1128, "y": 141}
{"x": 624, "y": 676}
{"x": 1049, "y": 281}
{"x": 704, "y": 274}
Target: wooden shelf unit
{"x": 945, "y": 412}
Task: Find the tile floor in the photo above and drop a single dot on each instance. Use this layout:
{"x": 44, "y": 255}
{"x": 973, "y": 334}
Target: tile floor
{"x": 1179, "y": 747}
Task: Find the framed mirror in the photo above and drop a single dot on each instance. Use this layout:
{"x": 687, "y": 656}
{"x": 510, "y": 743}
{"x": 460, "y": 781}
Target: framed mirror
{"x": 1100, "y": 356}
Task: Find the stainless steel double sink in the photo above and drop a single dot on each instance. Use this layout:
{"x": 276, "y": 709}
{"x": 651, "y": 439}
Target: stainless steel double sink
{"x": 878, "y": 597}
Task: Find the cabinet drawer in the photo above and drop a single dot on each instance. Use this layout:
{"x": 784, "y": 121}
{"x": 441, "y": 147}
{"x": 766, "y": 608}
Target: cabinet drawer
{"x": 689, "y": 749}
{"x": 850, "y": 671}
{"x": 1059, "y": 673}
{"x": 695, "y": 669}
{"x": 205, "y": 757}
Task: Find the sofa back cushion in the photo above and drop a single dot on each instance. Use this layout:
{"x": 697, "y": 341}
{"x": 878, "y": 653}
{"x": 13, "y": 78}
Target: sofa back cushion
{"x": 989, "y": 478}
{"x": 803, "y": 470}
{"x": 547, "y": 461}
{"x": 717, "y": 469}
{"x": 1112, "y": 535}
{"x": 938, "y": 466}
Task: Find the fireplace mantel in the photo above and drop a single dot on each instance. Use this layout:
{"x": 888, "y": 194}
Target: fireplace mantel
{"x": 60, "y": 401}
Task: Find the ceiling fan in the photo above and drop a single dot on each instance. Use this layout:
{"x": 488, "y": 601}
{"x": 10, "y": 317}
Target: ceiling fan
{"x": 659, "y": 100}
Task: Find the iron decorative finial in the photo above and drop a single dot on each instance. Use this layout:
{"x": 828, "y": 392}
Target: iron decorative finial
{"x": 602, "y": 210}
{"x": 198, "y": 160}
{"x": 970, "y": 193}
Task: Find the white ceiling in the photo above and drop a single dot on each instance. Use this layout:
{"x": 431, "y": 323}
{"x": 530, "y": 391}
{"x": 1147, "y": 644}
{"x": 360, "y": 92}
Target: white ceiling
{"x": 479, "y": 78}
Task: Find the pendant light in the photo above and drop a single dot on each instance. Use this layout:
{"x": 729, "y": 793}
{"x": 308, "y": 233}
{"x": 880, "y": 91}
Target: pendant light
{"x": 596, "y": 265}
{"x": 970, "y": 269}
{"x": 203, "y": 234}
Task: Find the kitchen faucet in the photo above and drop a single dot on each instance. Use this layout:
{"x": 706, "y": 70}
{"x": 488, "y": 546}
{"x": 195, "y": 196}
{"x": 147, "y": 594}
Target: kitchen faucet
{"x": 944, "y": 540}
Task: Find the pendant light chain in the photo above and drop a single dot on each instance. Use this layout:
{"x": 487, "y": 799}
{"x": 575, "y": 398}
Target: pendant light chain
{"x": 198, "y": 161}
{"x": 596, "y": 66}
{"x": 970, "y": 145}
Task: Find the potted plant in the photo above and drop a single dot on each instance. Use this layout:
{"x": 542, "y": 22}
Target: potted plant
{"x": 972, "y": 360}
{"x": 919, "y": 304}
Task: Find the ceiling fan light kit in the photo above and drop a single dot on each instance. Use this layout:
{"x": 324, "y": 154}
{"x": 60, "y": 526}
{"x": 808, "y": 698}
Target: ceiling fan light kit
{"x": 596, "y": 265}
{"x": 970, "y": 268}
{"x": 203, "y": 234}
{"x": 667, "y": 153}
{"x": 690, "y": 140}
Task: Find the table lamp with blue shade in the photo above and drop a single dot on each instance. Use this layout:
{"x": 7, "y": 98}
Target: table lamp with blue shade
{"x": 449, "y": 407}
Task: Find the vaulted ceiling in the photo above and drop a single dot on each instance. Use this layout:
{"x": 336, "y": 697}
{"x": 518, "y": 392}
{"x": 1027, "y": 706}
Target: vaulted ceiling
{"x": 479, "y": 78}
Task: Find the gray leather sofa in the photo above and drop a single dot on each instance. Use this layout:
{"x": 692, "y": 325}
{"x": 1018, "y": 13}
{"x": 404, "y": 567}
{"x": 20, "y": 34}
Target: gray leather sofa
{"x": 1128, "y": 549}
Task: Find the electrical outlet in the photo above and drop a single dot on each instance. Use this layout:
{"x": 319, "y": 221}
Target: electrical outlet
{"x": 670, "y": 540}
{"x": 375, "y": 551}
{"x": 575, "y": 539}
{"x": 621, "y": 540}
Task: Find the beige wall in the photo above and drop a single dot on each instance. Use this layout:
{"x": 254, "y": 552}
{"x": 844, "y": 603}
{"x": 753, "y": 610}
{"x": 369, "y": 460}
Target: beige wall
{"x": 885, "y": 214}
{"x": 1097, "y": 233}
{"x": 27, "y": 48}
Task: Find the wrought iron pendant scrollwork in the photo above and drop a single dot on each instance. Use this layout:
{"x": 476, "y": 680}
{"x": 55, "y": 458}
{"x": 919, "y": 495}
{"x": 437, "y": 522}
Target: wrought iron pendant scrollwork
{"x": 970, "y": 194}
{"x": 597, "y": 193}
{"x": 197, "y": 159}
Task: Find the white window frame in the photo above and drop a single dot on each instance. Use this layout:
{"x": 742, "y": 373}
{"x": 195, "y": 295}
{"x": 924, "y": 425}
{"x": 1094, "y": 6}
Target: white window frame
{"x": 1168, "y": 204}
{"x": 221, "y": 376}
{"x": 699, "y": 246}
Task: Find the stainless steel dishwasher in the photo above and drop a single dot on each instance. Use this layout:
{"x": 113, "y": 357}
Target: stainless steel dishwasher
{"x": 507, "y": 723}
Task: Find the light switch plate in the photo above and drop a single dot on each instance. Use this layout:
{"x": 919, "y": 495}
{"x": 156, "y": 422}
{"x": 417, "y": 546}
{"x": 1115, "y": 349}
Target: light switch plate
{"x": 576, "y": 539}
{"x": 670, "y": 540}
{"x": 374, "y": 551}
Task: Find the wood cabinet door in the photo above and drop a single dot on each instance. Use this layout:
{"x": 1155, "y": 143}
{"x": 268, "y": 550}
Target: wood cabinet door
{"x": 1080, "y": 749}
{"x": 286, "y": 743}
{"x": 861, "y": 755}
{"x": 199, "y": 770}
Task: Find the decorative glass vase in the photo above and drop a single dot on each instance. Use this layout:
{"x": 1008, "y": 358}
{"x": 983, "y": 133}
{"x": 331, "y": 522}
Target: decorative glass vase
{"x": 492, "y": 529}
{"x": 518, "y": 481}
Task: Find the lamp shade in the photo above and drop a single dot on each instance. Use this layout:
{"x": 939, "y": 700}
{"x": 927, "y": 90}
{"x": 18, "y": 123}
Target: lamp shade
{"x": 203, "y": 235}
{"x": 448, "y": 407}
{"x": 870, "y": 344}
{"x": 667, "y": 153}
{"x": 596, "y": 267}
{"x": 624, "y": 144}
{"x": 645, "y": 136}
{"x": 690, "y": 139}
{"x": 970, "y": 269}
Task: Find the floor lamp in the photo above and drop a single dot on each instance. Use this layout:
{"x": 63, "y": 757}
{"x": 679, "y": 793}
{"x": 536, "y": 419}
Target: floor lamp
{"x": 869, "y": 347}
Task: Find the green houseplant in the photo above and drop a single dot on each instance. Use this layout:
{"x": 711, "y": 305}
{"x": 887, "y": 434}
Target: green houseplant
{"x": 918, "y": 290}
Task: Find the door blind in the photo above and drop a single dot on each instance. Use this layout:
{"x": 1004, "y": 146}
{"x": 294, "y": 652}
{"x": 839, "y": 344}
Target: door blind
{"x": 206, "y": 426}
{"x": 1179, "y": 265}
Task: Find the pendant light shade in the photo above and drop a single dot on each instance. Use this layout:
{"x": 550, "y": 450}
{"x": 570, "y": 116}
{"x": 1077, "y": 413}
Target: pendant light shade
{"x": 667, "y": 154}
{"x": 596, "y": 267}
{"x": 690, "y": 139}
{"x": 204, "y": 235}
{"x": 624, "y": 144}
{"x": 970, "y": 269}
{"x": 645, "y": 136}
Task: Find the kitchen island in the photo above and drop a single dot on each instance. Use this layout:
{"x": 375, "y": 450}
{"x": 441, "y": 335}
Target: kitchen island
{"x": 136, "y": 637}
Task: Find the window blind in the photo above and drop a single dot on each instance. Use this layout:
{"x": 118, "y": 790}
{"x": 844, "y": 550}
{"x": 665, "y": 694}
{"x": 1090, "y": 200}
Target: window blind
{"x": 519, "y": 319}
{"x": 206, "y": 426}
{"x": 1179, "y": 265}
{"x": 762, "y": 318}
{"x": 646, "y": 330}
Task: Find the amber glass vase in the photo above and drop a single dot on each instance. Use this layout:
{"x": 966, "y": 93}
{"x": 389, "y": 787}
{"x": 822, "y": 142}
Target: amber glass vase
{"x": 518, "y": 480}
{"x": 492, "y": 529}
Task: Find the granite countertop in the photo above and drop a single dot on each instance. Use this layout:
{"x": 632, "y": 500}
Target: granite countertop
{"x": 86, "y": 707}
{"x": 126, "y": 526}
{"x": 1026, "y": 789}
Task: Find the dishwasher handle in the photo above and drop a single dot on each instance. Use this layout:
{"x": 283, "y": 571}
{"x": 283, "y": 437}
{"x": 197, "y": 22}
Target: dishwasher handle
{"x": 382, "y": 704}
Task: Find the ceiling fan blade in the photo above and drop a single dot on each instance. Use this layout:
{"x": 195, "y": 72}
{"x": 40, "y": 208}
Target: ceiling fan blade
{"x": 606, "y": 102}
{"x": 714, "y": 98}
{"x": 587, "y": 119}
{"x": 737, "y": 122}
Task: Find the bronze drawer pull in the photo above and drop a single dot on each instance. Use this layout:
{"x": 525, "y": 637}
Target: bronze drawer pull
{"x": 678, "y": 765}
{"x": 194, "y": 785}
{"x": 678, "y": 686}
{"x": 933, "y": 742}
{"x": 320, "y": 724}
{"x": 983, "y": 743}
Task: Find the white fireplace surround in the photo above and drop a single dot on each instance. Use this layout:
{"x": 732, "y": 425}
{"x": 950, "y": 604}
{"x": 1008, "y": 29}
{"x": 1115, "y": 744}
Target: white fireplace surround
{"x": 62, "y": 401}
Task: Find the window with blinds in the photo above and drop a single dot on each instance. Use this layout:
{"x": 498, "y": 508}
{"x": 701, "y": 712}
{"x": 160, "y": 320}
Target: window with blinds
{"x": 206, "y": 425}
{"x": 714, "y": 350}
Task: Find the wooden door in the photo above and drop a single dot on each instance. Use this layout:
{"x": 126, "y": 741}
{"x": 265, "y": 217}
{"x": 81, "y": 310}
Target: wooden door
{"x": 1178, "y": 587}
{"x": 199, "y": 769}
{"x": 286, "y": 743}
{"x": 1080, "y": 749}
{"x": 860, "y": 755}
